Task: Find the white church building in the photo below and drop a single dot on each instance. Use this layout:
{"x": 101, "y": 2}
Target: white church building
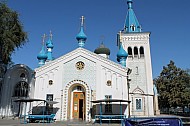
{"x": 80, "y": 81}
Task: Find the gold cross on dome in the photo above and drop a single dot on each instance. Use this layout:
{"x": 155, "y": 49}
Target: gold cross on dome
{"x": 82, "y": 20}
{"x": 43, "y": 39}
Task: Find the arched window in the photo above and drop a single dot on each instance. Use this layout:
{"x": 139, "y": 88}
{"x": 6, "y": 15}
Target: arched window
{"x": 135, "y": 51}
{"x": 141, "y": 51}
{"x": 21, "y": 89}
{"x": 129, "y": 50}
{"x": 138, "y": 104}
{"x": 132, "y": 27}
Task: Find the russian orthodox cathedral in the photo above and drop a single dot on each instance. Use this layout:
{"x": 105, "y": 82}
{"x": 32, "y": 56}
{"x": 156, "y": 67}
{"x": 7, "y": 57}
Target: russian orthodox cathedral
{"x": 86, "y": 83}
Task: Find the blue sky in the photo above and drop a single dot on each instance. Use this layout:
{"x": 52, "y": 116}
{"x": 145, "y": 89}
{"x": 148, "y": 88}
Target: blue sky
{"x": 167, "y": 20}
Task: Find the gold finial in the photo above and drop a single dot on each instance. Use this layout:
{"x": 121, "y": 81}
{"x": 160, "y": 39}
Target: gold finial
{"x": 43, "y": 39}
{"x": 82, "y": 20}
{"x": 50, "y": 35}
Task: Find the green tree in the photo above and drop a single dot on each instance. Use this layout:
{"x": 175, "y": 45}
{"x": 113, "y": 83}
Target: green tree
{"x": 12, "y": 35}
{"x": 173, "y": 87}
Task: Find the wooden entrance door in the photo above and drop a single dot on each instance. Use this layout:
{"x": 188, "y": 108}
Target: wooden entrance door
{"x": 79, "y": 105}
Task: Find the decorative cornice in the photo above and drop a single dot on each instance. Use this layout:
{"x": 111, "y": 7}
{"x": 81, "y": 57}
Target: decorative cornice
{"x": 136, "y": 37}
{"x": 76, "y": 51}
{"x": 134, "y": 34}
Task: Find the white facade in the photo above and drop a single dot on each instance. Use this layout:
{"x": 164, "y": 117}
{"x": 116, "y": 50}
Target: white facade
{"x": 84, "y": 72}
{"x": 92, "y": 78}
{"x": 139, "y": 60}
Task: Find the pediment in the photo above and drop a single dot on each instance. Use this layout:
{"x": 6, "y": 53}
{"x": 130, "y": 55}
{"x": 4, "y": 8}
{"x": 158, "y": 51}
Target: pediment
{"x": 84, "y": 53}
{"x": 138, "y": 90}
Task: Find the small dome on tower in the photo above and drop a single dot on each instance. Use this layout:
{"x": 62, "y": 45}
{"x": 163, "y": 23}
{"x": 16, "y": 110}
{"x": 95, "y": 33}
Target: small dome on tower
{"x": 122, "y": 52}
{"x": 102, "y": 50}
{"x": 49, "y": 44}
{"x": 42, "y": 54}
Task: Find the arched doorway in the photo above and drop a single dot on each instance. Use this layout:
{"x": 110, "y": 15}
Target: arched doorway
{"x": 77, "y": 102}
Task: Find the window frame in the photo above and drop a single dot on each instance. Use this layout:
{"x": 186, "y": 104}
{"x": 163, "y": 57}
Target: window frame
{"x": 108, "y": 105}
{"x": 137, "y": 101}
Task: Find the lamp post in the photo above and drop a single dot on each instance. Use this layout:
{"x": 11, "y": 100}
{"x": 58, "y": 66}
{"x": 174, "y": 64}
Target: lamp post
{"x": 128, "y": 86}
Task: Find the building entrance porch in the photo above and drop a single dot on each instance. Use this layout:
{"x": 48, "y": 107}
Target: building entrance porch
{"x": 77, "y": 102}
{"x": 79, "y": 105}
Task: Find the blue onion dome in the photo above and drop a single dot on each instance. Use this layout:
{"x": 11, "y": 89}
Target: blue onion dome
{"x": 81, "y": 35}
{"x": 122, "y": 53}
{"x": 102, "y": 50}
{"x": 49, "y": 44}
{"x": 42, "y": 54}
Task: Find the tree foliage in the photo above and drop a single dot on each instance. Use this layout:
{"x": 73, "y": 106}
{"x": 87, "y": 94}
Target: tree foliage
{"x": 173, "y": 87}
{"x": 12, "y": 35}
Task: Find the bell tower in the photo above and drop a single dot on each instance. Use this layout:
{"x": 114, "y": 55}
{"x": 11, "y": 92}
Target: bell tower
{"x": 137, "y": 44}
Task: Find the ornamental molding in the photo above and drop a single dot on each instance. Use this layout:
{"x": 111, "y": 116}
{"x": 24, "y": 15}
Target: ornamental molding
{"x": 137, "y": 90}
{"x": 76, "y": 52}
{"x": 50, "y": 71}
{"x": 66, "y": 96}
{"x": 135, "y": 36}
{"x": 135, "y": 43}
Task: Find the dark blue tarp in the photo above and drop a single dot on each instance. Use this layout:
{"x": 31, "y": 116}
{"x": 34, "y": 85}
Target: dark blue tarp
{"x": 153, "y": 122}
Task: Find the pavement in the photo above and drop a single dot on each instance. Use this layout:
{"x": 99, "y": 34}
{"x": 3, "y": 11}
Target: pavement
{"x": 19, "y": 122}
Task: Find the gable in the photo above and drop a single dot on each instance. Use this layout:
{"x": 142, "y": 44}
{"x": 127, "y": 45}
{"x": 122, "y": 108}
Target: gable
{"x": 82, "y": 54}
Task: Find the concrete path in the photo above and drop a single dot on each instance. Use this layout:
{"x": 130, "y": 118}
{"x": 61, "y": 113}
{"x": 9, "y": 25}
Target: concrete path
{"x": 17, "y": 122}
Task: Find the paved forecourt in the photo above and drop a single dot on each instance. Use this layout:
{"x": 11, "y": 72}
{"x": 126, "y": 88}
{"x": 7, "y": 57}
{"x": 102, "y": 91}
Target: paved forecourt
{"x": 17, "y": 122}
